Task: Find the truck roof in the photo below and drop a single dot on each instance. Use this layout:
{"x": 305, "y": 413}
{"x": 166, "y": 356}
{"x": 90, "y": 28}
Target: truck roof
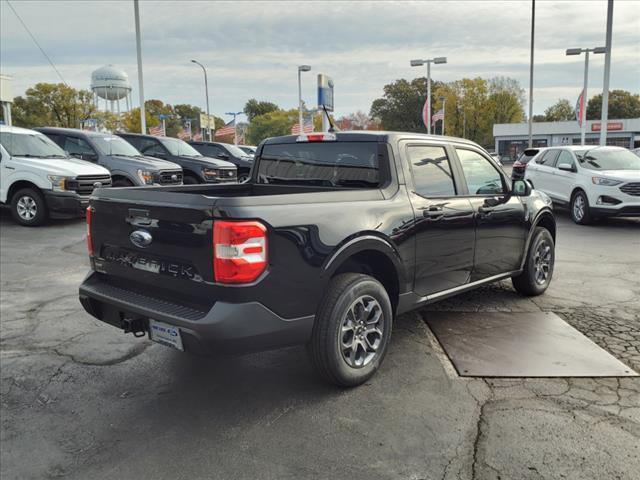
{"x": 74, "y": 131}
{"x": 374, "y": 136}
{"x": 11, "y": 129}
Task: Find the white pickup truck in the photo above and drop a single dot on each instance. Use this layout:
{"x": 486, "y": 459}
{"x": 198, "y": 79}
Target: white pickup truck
{"x": 39, "y": 180}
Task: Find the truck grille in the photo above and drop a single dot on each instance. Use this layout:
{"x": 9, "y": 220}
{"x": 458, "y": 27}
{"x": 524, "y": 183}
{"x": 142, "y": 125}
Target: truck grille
{"x": 84, "y": 184}
{"x": 227, "y": 174}
{"x": 172, "y": 177}
{"x": 631, "y": 189}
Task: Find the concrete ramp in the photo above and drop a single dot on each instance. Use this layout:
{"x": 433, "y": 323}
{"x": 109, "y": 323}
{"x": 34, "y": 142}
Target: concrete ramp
{"x": 541, "y": 344}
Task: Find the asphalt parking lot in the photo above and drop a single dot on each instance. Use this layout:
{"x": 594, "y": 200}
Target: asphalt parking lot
{"x": 80, "y": 399}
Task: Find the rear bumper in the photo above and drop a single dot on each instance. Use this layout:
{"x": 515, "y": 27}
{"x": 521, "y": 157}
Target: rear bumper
{"x": 65, "y": 204}
{"x": 225, "y": 327}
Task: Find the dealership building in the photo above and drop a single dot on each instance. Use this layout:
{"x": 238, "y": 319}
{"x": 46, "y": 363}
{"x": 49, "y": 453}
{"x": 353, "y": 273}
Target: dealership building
{"x": 512, "y": 138}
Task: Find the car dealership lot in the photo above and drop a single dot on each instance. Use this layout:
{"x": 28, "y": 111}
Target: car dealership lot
{"x": 82, "y": 400}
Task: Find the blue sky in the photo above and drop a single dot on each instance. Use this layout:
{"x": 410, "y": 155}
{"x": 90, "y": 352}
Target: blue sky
{"x": 251, "y": 49}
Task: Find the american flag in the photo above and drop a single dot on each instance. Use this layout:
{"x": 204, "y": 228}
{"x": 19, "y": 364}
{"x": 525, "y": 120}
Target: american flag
{"x": 184, "y": 134}
{"x": 157, "y": 131}
{"x": 197, "y": 137}
{"x": 580, "y": 108}
{"x": 439, "y": 115}
{"x": 307, "y": 127}
{"x": 228, "y": 129}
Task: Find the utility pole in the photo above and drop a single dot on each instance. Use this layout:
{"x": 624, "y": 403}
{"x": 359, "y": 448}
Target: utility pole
{"x": 143, "y": 118}
{"x": 206, "y": 92}
{"x": 418, "y": 63}
{"x": 604, "y": 118}
{"x": 533, "y": 28}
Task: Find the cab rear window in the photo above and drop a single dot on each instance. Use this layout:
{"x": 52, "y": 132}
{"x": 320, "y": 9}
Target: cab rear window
{"x": 331, "y": 164}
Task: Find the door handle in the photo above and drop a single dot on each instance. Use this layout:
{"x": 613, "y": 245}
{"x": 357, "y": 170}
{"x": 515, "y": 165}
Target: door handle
{"x": 434, "y": 212}
{"x": 485, "y": 210}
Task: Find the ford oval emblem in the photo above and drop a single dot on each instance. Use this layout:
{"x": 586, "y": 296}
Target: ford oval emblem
{"x": 141, "y": 238}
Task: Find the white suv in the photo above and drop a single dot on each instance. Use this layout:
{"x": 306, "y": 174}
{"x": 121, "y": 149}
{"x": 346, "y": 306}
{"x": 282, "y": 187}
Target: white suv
{"x": 593, "y": 181}
{"x": 39, "y": 180}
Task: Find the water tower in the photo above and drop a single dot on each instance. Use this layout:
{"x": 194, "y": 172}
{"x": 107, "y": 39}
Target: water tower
{"x": 112, "y": 85}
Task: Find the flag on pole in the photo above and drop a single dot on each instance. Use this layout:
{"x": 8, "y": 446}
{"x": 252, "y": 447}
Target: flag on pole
{"x": 580, "y": 108}
{"x": 228, "y": 129}
{"x": 197, "y": 137}
{"x": 157, "y": 131}
{"x": 439, "y": 115}
{"x": 184, "y": 134}
{"x": 307, "y": 127}
{"x": 425, "y": 114}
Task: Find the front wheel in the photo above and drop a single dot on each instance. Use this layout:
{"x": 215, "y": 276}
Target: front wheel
{"x": 580, "y": 212}
{"x": 352, "y": 330}
{"x": 28, "y": 207}
{"x": 538, "y": 267}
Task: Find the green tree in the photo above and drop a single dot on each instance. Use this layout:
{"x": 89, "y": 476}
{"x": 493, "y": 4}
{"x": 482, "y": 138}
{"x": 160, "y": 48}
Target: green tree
{"x": 506, "y": 100}
{"x": 272, "y": 124}
{"x": 254, "y": 108}
{"x": 400, "y": 107}
{"x": 622, "y": 104}
{"x": 53, "y": 104}
{"x": 131, "y": 120}
{"x": 560, "y": 111}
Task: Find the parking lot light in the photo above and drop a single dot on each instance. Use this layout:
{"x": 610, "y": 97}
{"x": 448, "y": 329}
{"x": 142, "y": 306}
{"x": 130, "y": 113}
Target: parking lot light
{"x": 583, "y": 112}
{"x": 429, "y": 61}
{"x": 301, "y": 68}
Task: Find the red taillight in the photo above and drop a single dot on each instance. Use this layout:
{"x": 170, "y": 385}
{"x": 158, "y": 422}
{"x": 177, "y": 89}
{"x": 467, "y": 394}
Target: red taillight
{"x": 89, "y": 226}
{"x": 239, "y": 251}
{"x": 317, "y": 137}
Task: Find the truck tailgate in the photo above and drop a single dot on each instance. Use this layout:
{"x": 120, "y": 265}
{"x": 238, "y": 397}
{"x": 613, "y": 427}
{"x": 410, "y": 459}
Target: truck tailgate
{"x": 163, "y": 241}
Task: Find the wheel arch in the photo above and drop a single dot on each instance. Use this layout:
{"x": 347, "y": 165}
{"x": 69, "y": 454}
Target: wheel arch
{"x": 20, "y": 184}
{"x": 544, "y": 219}
{"x": 371, "y": 255}
{"x": 120, "y": 175}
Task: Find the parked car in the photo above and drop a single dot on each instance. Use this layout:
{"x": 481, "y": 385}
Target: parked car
{"x": 127, "y": 165}
{"x": 248, "y": 149}
{"x": 636, "y": 151}
{"x": 196, "y": 167}
{"x": 592, "y": 181}
{"x": 496, "y": 157}
{"x": 333, "y": 236}
{"x": 231, "y": 153}
{"x": 520, "y": 165}
{"x": 40, "y": 181}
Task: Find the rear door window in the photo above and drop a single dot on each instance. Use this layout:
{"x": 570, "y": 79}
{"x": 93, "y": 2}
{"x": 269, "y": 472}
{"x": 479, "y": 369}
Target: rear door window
{"x": 431, "y": 171}
{"x": 331, "y": 164}
{"x": 548, "y": 158}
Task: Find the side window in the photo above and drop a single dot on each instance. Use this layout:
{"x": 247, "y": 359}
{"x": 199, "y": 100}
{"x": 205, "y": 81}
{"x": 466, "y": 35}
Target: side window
{"x": 565, "y": 157}
{"x": 431, "y": 171}
{"x": 481, "y": 176}
{"x": 548, "y": 158}
{"x": 150, "y": 147}
{"x": 77, "y": 147}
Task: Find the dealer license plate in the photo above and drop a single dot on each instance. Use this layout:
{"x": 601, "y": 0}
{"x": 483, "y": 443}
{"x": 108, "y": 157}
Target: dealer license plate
{"x": 165, "y": 334}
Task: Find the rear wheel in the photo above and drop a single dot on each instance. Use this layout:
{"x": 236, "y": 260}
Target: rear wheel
{"x": 538, "y": 267}
{"x": 580, "y": 212}
{"x": 28, "y": 207}
{"x": 352, "y": 330}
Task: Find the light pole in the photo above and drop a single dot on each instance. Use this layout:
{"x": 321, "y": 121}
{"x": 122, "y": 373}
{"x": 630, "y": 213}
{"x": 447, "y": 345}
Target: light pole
{"x": 143, "y": 117}
{"x": 418, "y": 63}
{"x": 235, "y": 125}
{"x": 206, "y": 91}
{"x": 583, "y": 113}
{"x": 533, "y": 29}
{"x": 604, "y": 113}
{"x": 444, "y": 103}
{"x": 301, "y": 68}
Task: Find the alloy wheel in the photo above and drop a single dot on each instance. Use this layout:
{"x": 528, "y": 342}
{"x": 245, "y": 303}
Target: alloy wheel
{"x": 542, "y": 263}
{"x": 578, "y": 207}
{"x": 360, "y": 335}
{"x": 27, "y": 208}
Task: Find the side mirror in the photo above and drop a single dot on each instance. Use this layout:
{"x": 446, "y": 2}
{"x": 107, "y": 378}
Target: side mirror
{"x": 521, "y": 188}
{"x": 89, "y": 157}
{"x": 566, "y": 167}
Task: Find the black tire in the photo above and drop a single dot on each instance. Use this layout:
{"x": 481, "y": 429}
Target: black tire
{"x": 189, "y": 180}
{"x": 29, "y": 208}
{"x": 581, "y": 216}
{"x": 122, "y": 182}
{"x": 328, "y": 337}
{"x": 243, "y": 178}
{"x": 530, "y": 281}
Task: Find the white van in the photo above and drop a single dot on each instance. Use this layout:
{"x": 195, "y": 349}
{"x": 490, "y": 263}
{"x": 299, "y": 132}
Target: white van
{"x": 40, "y": 181}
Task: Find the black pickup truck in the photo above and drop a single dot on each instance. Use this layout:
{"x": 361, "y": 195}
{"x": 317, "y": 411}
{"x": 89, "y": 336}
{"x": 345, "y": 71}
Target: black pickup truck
{"x": 331, "y": 238}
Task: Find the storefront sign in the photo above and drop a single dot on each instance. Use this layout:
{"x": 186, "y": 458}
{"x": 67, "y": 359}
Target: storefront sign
{"x": 596, "y": 127}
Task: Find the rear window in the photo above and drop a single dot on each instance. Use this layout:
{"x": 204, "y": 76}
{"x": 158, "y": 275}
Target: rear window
{"x": 528, "y": 155}
{"x": 331, "y": 164}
